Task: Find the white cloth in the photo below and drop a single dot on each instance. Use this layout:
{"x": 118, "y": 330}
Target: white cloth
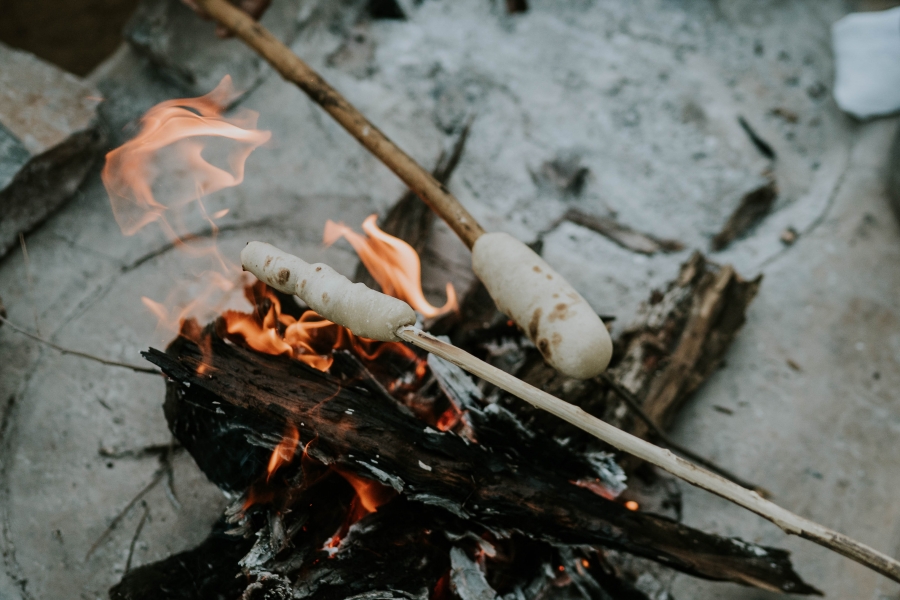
{"x": 867, "y": 63}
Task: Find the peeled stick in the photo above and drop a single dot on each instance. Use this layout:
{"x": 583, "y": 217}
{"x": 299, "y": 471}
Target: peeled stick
{"x": 363, "y": 311}
{"x": 563, "y": 326}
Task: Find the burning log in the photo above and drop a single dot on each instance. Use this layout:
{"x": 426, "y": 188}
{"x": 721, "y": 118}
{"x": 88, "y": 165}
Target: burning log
{"x": 502, "y": 487}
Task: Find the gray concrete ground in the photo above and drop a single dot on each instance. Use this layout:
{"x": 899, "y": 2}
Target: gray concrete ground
{"x": 645, "y": 95}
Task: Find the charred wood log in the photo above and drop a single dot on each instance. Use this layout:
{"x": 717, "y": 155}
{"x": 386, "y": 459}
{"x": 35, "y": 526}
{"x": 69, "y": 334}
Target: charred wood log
{"x": 239, "y": 395}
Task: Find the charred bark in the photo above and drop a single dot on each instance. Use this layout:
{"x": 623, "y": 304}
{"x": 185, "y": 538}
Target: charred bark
{"x": 245, "y": 396}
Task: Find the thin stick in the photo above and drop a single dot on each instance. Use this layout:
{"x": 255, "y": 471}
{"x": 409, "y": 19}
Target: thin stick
{"x": 633, "y": 403}
{"x": 137, "y": 534}
{"x": 665, "y": 459}
{"x": 157, "y": 477}
{"x": 295, "y": 70}
{"x": 102, "y": 361}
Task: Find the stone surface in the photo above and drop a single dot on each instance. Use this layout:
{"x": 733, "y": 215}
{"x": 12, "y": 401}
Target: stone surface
{"x": 49, "y": 138}
{"x": 646, "y": 96}
{"x": 867, "y": 63}
{"x": 166, "y": 32}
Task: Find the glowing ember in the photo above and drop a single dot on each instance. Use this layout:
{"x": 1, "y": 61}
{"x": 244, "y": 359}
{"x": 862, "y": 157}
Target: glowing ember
{"x": 284, "y": 451}
{"x": 632, "y": 505}
{"x": 369, "y": 496}
{"x": 448, "y": 420}
{"x": 598, "y": 487}
{"x": 393, "y": 263}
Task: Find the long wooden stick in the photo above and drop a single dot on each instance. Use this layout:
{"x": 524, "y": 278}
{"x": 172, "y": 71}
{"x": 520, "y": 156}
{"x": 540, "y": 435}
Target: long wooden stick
{"x": 295, "y": 70}
{"x": 664, "y": 459}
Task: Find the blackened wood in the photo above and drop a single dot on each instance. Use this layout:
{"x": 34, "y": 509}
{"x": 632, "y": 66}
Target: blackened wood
{"x": 367, "y": 435}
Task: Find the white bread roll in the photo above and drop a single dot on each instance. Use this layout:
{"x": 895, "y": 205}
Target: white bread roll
{"x": 554, "y": 316}
{"x": 363, "y": 311}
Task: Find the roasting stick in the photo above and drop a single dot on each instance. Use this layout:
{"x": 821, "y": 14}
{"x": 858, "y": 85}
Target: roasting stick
{"x": 563, "y": 326}
{"x": 371, "y": 314}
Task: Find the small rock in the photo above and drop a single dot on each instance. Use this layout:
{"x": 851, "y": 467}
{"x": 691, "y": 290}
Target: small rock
{"x": 867, "y": 63}
{"x": 49, "y": 138}
{"x": 789, "y": 236}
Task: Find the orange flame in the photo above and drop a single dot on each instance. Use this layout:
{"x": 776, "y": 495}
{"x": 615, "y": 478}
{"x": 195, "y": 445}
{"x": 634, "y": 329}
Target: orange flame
{"x": 132, "y": 169}
{"x": 369, "y": 496}
{"x": 393, "y": 263}
{"x": 284, "y": 451}
{"x": 309, "y": 339}
{"x": 161, "y": 175}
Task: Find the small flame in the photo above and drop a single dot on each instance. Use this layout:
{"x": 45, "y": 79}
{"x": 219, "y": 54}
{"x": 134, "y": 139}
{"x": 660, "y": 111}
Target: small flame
{"x": 393, "y": 263}
{"x": 632, "y": 505}
{"x": 284, "y": 451}
{"x": 161, "y": 175}
{"x": 369, "y": 496}
{"x": 132, "y": 169}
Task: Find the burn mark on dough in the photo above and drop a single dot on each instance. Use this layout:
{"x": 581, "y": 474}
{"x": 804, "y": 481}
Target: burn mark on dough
{"x": 544, "y": 346}
{"x": 303, "y": 284}
{"x": 318, "y": 269}
{"x": 555, "y": 339}
{"x": 535, "y": 322}
{"x": 268, "y": 261}
{"x": 560, "y": 312}
{"x": 325, "y": 297}
{"x": 549, "y": 276}
{"x": 283, "y": 276}
{"x": 536, "y": 269}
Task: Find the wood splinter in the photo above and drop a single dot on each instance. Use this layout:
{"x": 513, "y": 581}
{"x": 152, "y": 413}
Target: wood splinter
{"x": 385, "y": 318}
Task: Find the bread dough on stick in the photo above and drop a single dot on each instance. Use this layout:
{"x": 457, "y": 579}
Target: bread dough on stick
{"x": 555, "y": 317}
{"x": 363, "y": 311}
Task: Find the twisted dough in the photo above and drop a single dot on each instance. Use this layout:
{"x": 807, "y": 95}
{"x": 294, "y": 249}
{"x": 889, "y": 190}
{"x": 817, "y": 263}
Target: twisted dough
{"x": 363, "y": 311}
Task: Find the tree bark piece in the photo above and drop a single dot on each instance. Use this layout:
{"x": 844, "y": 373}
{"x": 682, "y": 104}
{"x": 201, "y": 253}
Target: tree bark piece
{"x": 680, "y": 339}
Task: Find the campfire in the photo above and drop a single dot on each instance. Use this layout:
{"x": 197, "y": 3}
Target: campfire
{"x": 360, "y": 466}
{"x": 377, "y": 440}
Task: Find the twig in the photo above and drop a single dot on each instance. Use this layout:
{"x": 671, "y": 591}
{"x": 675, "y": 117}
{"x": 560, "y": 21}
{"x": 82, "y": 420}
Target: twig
{"x": 137, "y": 534}
{"x": 157, "y": 477}
{"x": 634, "y": 405}
{"x": 103, "y": 361}
{"x": 28, "y": 281}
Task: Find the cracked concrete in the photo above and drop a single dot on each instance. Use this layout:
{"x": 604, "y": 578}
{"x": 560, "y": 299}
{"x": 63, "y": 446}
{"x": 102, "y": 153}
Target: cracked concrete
{"x": 645, "y": 95}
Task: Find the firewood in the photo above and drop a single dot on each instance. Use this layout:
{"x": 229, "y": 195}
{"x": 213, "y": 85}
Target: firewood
{"x": 243, "y": 393}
